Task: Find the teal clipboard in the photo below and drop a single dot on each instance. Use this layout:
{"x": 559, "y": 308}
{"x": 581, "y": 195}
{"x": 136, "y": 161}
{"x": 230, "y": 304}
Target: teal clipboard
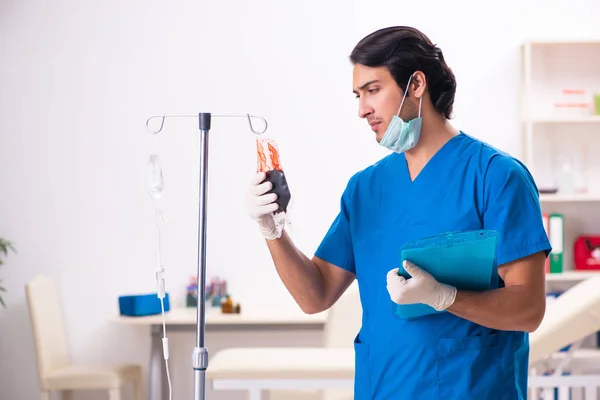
{"x": 465, "y": 260}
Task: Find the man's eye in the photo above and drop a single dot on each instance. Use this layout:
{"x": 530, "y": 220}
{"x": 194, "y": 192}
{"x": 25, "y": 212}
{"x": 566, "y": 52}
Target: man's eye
{"x": 373, "y": 91}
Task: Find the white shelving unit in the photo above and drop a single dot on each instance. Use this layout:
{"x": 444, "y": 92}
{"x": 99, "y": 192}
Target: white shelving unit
{"x": 561, "y": 132}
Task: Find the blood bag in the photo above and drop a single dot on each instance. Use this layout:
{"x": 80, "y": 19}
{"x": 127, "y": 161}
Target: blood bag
{"x": 269, "y": 162}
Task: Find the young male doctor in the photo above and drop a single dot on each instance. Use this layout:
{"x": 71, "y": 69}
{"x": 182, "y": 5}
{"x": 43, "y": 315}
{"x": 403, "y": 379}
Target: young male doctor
{"x": 437, "y": 179}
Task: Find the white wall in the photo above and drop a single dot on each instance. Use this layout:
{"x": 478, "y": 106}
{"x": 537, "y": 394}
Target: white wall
{"x": 78, "y": 80}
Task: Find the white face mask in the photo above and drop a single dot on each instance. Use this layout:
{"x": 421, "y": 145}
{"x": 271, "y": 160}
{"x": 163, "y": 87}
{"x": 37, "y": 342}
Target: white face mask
{"x": 401, "y": 136}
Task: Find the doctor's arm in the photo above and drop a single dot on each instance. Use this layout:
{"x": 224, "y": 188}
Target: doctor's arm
{"x": 314, "y": 283}
{"x": 511, "y": 207}
{"x": 519, "y": 306}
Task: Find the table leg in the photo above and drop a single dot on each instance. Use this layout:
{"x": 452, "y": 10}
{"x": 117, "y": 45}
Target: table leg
{"x": 158, "y": 386}
{"x": 591, "y": 393}
{"x": 254, "y": 394}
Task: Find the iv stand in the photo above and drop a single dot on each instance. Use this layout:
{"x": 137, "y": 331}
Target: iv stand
{"x": 200, "y": 353}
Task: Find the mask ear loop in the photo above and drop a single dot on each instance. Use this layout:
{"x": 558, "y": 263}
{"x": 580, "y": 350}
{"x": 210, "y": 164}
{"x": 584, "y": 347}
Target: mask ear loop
{"x": 404, "y": 97}
{"x": 420, "y": 102}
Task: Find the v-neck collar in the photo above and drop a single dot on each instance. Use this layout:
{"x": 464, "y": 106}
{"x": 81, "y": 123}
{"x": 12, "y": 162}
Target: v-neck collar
{"x": 431, "y": 164}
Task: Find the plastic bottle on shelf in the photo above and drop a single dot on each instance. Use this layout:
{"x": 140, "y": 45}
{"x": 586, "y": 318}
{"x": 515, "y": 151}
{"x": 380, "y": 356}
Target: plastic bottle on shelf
{"x": 580, "y": 176}
{"x": 566, "y": 176}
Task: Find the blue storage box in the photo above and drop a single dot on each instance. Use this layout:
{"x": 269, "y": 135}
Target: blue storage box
{"x": 142, "y": 304}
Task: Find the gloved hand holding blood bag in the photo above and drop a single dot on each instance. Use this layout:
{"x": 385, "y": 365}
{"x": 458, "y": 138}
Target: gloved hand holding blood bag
{"x": 269, "y": 162}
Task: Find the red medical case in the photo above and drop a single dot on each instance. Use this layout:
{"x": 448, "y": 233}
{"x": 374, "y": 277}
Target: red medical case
{"x": 586, "y": 253}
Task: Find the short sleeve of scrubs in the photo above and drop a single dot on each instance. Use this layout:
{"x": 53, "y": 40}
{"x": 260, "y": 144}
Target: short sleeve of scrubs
{"x": 336, "y": 247}
{"x": 512, "y": 208}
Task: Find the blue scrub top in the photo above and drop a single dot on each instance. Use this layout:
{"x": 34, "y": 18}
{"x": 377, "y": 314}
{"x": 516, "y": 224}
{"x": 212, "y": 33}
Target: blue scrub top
{"x": 466, "y": 185}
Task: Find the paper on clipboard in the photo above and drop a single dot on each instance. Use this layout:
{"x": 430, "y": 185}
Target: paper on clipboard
{"x": 465, "y": 260}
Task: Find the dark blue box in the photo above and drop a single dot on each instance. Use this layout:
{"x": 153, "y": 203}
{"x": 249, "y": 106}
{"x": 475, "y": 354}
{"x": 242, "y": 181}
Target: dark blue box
{"x": 142, "y": 304}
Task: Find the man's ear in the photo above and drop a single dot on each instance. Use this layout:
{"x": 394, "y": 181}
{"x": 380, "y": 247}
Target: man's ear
{"x": 419, "y": 84}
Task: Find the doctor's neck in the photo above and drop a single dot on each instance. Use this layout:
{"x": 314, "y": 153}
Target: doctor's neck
{"x": 436, "y": 130}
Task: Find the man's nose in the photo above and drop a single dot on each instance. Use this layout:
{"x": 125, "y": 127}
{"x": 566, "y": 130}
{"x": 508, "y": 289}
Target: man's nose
{"x": 364, "y": 110}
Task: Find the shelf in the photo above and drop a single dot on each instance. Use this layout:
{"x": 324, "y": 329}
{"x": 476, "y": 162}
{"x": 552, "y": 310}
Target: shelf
{"x": 592, "y": 119}
{"x": 562, "y": 42}
{"x": 570, "y": 198}
{"x": 571, "y": 276}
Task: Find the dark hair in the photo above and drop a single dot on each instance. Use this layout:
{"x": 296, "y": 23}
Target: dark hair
{"x": 405, "y": 50}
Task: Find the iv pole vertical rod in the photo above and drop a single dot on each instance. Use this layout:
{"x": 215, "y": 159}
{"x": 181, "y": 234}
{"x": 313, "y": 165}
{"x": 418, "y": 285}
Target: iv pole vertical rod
{"x": 200, "y": 353}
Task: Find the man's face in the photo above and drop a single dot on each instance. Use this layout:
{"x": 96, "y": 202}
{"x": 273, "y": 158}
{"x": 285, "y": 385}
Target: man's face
{"x": 378, "y": 96}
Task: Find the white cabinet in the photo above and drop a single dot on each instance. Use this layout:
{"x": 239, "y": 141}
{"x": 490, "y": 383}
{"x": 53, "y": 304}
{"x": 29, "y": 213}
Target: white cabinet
{"x": 561, "y": 132}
